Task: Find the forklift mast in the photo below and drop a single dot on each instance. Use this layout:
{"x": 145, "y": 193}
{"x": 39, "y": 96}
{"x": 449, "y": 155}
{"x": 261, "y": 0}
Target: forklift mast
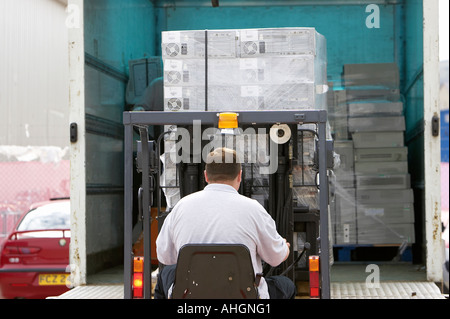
{"x": 286, "y": 134}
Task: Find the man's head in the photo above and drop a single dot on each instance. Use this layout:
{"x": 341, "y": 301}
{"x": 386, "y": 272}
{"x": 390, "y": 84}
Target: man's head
{"x": 223, "y": 166}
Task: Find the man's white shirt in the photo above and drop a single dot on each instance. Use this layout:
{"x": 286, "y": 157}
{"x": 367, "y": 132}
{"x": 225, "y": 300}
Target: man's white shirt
{"x": 219, "y": 214}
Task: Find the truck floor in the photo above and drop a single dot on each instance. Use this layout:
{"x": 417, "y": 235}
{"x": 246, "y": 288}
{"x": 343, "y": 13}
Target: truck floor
{"x": 348, "y": 281}
{"x": 397, "y": 280}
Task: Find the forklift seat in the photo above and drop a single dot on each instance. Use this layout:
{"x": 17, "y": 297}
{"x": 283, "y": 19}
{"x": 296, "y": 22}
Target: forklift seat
{"x": 215, "y": 271}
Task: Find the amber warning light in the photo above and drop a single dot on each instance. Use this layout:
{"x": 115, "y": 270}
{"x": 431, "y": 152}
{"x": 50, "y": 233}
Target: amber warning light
{"x": 314, "y": 278}
{"x": 228, "y": 120}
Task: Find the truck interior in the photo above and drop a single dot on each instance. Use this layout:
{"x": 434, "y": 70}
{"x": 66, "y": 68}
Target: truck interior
{"x": 123, "y": 57}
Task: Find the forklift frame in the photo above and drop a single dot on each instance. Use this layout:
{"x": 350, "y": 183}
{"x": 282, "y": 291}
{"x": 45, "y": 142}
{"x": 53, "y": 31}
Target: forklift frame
{"x": 142, "y": 120}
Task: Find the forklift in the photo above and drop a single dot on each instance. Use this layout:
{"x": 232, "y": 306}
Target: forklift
{"x": 292, "y": 185}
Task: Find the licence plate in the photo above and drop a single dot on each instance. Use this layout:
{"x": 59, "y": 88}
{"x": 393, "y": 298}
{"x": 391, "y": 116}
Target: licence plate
{"x": 53, "y": 279}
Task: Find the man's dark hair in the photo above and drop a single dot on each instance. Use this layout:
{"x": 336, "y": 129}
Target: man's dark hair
{"x": 222, "y": 164}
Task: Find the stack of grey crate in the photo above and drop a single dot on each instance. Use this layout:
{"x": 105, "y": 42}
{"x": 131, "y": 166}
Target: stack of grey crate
{"x": 238, "y": 70}
{"x": 374, "y": 199}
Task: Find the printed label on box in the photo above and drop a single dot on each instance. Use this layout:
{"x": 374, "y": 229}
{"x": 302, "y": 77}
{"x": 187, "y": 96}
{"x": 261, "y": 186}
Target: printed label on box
{"x": 249, "y": 35}
{"x": 249, "y": 63}
{"x": 173, "y": 65}
{"x": 171, "y": 36}
{"x": 249, "y": 90}
{"x": 374, "y": 211}
{"x": 175, "y": 91}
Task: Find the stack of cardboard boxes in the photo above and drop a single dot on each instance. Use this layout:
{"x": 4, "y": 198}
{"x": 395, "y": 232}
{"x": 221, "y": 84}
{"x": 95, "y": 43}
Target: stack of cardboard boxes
{"x": 244, "y": 69}
{"x": 374, "y": 199}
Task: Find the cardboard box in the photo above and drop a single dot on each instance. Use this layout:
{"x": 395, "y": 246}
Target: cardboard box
{"x": 237, "y": 71}
{"x": 281, "y": 41}
{"x": 386, "y": 154}
{"x": 386, "y": 213}
{"x": 392, "y": 196}
{"x": 370, "y": 168}
{"x": 378, "y": 139}
{"x": 278, "y": 70}
{"x": 385, "y": 234}
{"x": 376, "y": 124}
{"x": 383, "y": 181}
{"x": 362, "y": 109}
{"x": 178, "y": 98}
{"x": 372, "y": 95}
{"x": 190, "y": 44}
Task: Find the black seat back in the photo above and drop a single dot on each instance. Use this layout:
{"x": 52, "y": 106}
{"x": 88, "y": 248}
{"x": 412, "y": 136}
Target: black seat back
{"x": 214, "y": 271}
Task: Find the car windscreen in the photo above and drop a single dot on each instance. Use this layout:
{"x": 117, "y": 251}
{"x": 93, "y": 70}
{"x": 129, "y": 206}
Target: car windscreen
{"x": 51, "y": 216}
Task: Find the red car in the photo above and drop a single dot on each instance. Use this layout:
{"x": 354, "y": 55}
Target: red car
{"x": 34, "y": 259}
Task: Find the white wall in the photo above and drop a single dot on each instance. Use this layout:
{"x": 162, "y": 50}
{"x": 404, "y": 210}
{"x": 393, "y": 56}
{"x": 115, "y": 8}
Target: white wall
{"x": 33, "y": 73}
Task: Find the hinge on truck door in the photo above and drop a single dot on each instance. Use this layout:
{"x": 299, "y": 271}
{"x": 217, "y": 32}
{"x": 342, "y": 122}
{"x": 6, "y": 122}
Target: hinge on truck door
{"x": 435, "y": 125}
{"x": 73, "y": 132}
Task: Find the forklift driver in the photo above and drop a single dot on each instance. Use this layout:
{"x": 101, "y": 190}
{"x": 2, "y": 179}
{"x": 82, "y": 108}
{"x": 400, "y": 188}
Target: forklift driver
{"x": 219, "y": 214}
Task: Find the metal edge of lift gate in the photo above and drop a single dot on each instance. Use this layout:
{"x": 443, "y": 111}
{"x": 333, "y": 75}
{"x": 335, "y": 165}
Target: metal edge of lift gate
{"x": 142, "y": 120}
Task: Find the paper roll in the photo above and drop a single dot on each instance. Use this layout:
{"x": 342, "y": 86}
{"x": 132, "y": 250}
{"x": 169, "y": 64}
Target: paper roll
{"x": 280, "y": 133}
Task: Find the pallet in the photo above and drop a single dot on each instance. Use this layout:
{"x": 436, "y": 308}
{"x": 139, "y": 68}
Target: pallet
{"x": 348, "y": 253}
